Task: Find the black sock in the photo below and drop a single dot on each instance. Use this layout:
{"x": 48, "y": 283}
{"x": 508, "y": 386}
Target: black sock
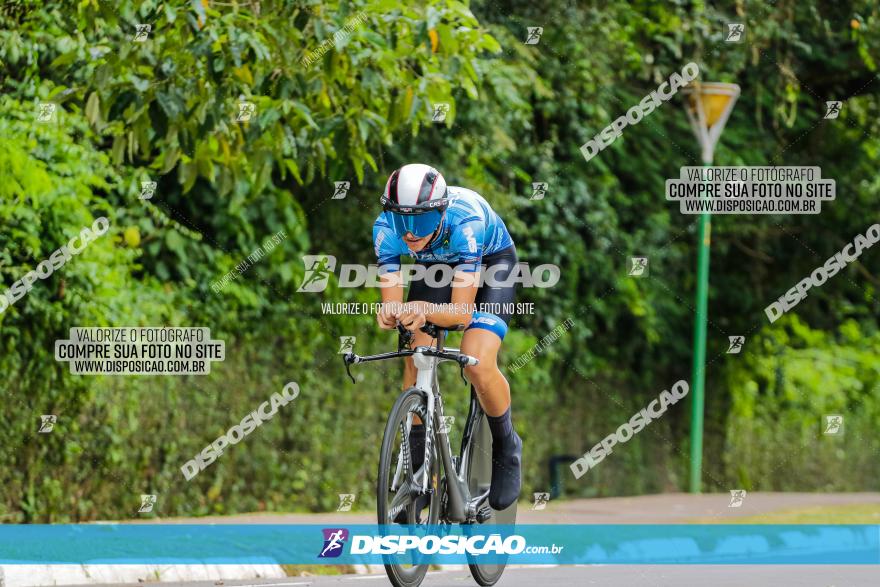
{"x": 500, "y": 426}
{"x": 417, "y": 445}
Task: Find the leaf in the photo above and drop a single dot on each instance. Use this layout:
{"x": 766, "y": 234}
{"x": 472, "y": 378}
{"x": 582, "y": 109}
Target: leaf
{"x": 244, "y": 74}
{"x": 294, "y": 169}
{"x": 490, "y": 44}
{"x": 93, "y": 108}
{"x": 118, "y": 150}
{"x": 187, "y": 174}
{"x": 303, "y": 112}
{"x": 170, "y": 156}
{"x": 174, "y": 242}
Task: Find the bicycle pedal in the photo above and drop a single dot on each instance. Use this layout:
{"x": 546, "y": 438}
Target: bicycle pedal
{"x": 484, "y": 513}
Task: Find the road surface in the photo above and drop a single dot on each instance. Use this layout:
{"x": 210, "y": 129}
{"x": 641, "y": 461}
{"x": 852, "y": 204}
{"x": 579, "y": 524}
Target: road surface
{"x": 605, "y": 576}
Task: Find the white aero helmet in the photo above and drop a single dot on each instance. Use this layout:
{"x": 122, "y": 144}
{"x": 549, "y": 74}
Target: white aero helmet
{"x": 414, "y": 200}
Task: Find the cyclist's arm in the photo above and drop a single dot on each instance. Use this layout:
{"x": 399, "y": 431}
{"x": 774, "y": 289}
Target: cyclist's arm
{"x": 468, "y": 244}
{"x": 392, "y": 299}
{"x": 461, "y": 308}
{"x": 389, "y": 275}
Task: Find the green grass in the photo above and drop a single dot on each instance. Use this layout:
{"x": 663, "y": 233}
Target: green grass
{"x": 841, "y": 514}
{"x": 312, "y": 570}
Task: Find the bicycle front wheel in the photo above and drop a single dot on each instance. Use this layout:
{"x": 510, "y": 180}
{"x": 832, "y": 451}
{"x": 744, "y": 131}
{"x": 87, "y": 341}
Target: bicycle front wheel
{"x": 479, "y": 476}
{"x": 398, "y": 493}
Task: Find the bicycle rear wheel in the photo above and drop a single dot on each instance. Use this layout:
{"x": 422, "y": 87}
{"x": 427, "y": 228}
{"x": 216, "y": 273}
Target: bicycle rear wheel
{"x": 479, "y": 477}
{"x": 395, "y": 495}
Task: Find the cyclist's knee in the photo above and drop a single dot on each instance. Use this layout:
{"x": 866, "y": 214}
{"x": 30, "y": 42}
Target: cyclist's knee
{"x": 485, "y": 371}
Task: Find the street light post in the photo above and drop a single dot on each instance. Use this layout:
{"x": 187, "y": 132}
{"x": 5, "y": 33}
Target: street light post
{"x": 708, "y": 107}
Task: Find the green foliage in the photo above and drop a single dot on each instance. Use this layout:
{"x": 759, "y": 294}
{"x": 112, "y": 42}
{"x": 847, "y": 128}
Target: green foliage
{"x": 779, "y": 397}
{"x": 345, "y": 91}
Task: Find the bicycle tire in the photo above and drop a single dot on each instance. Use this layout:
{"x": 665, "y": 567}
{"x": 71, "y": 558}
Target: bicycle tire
{"x": 411, "y": 400}
{"x": 479, "y": 476}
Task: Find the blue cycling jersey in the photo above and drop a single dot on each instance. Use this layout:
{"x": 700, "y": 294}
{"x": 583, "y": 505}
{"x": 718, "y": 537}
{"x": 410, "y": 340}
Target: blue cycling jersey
{"x": 470, "y": 230}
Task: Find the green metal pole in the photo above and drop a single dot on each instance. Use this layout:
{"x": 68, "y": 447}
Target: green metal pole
{"x": 699, "y": 367}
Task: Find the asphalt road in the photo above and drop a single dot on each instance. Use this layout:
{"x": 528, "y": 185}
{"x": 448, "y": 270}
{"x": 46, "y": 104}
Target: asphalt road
{"x": 611, "y": 576}
{"x": 665, "y": 508}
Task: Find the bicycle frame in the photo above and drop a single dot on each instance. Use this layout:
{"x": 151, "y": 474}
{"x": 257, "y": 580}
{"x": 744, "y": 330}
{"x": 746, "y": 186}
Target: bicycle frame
{"x": 461, "y": 506}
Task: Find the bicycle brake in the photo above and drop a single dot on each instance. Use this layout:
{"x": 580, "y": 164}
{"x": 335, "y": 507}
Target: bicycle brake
{"x": 347, "y": 358}
{"x": 405, "y": 338}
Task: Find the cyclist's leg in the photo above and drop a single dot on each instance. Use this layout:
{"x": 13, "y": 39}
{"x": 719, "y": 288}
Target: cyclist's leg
{"x": 490, "y": 384}
{"x": 485, "y": 333}
{"x": 483, "y": 340}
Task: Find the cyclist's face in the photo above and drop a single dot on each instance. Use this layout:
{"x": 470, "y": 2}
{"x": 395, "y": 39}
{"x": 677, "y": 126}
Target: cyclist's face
{"x": 416, "y": 244}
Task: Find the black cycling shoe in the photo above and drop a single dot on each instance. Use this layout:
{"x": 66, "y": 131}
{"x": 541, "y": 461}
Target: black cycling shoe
{"x": 506, "y": 476}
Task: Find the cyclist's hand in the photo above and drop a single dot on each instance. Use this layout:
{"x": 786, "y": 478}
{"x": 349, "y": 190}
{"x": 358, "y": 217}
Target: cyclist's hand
{"x": 386, "y": 317}
{"x": 412, "y": 316}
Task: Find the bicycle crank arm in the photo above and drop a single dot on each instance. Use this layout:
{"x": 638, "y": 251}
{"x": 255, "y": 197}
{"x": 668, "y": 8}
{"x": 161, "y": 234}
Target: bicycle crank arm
{"x": 476, "y": 507}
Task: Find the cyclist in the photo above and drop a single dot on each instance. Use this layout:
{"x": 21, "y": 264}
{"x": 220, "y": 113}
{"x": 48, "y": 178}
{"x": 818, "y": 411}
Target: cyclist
{"x": 452, "y": 228}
